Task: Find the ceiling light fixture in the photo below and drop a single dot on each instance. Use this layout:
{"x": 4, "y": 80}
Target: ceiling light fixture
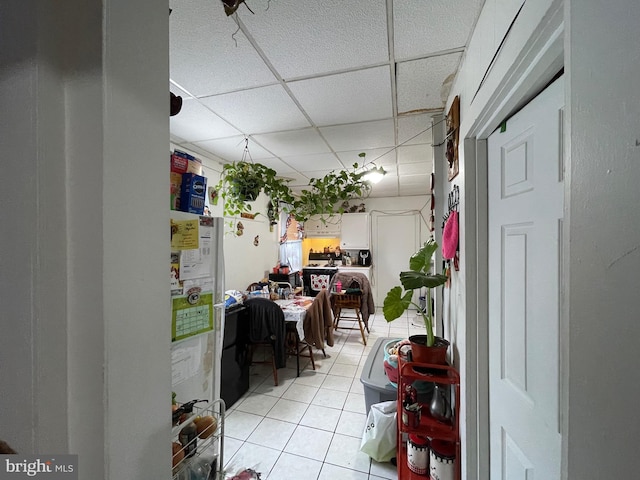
{"x": 374, "y": 175}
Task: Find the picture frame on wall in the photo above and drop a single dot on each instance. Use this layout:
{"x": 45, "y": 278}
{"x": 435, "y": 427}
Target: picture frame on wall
{"x": 453, "y": 127}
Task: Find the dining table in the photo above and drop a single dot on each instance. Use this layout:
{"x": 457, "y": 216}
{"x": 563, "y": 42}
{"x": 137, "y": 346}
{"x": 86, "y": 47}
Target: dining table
{"x": 295, "y": 309}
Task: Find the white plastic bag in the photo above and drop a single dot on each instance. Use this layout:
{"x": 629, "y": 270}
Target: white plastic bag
{"x": 379, "y": 436}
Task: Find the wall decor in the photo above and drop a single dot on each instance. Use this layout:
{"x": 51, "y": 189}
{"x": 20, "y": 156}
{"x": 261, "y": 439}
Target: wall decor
{"x": 453, "y": 127}
{"x": 450, "y": 229}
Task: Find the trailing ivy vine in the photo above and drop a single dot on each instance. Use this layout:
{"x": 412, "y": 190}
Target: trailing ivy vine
{"x": 241, "y": 182}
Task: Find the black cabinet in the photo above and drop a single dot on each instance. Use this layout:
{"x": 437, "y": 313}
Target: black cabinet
{"x": 234, "y": 379}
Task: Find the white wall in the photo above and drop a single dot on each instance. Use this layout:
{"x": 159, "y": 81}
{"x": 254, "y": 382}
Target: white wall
{"x": 32, "y": 301}
{"x": 603, "y": 258}
{"x": 85, "y": 361}
{"x": 602, "y": 107}
{"x": 481, "y": 108}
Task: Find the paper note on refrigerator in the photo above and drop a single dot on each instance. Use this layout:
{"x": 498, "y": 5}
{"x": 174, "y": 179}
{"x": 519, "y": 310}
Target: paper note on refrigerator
{"x": 196, "y": 263}
{"x": 184, "y": 234}
{"x": 185, "y": 362}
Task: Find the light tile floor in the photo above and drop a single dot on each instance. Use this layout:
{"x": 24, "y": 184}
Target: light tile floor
{"x": 310, "y": 427}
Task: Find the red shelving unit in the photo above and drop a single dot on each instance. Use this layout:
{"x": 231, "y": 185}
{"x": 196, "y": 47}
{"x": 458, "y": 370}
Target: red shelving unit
{"x": 409, "y": 372}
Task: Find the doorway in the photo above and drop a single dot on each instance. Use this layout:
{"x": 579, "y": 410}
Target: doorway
{"x": 525, "y": 213}
{"x": 400, "y": 234}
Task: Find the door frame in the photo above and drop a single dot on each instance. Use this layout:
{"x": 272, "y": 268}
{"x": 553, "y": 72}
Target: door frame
{"x": 539, "y": 61}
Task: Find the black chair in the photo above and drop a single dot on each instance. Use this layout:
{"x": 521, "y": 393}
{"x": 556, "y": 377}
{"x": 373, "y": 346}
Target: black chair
{"x": 297, "y": 347}
{"x": 267, "y": 327}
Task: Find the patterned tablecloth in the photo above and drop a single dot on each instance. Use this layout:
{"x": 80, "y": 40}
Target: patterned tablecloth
{"x": 295, "y": 311}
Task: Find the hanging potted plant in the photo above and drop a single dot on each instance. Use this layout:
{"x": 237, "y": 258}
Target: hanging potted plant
{"x": 329, "y": 194}
{"x": 425, "y": 348}
{"x": 241, "y": 183}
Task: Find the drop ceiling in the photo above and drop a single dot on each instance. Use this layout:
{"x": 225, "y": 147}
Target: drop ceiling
{"x": 309, "y": 84}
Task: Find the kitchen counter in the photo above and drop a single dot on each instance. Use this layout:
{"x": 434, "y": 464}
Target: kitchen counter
{"x": 366, "y": 271}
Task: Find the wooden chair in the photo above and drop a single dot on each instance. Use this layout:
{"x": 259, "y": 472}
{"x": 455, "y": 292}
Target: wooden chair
{"x": 342, "y": 301}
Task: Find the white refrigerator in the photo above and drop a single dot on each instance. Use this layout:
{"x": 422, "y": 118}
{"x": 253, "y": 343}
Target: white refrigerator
{"x": 197, "y": 306}
{"x": 197, "y": 324}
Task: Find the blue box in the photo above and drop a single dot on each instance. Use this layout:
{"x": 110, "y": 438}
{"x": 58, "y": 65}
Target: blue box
{"x": 193, "y": 193}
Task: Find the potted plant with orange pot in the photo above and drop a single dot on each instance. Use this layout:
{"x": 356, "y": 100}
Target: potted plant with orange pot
{"x": 425, "y": 348}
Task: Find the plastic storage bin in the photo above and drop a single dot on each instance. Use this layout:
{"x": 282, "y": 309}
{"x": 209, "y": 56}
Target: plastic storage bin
{"x": 377, "y": 387}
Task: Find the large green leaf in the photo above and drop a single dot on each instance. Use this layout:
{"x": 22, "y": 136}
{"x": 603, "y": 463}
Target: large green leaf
{"x": 395, "y": 304}
{"x": 421, "y": 260}
{"x": 412, "y": 280}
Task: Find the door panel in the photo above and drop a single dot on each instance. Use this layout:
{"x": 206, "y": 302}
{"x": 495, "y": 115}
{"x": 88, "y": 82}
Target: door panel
{"x": 525, "y": 215}
{"x": 396, "y": 238}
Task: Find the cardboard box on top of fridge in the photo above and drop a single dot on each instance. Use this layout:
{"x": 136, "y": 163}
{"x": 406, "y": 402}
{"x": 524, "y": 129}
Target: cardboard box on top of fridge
{"x": 176, "y": 185}
{"x": 182, "y": 162}
{"x": 193, "y": 193}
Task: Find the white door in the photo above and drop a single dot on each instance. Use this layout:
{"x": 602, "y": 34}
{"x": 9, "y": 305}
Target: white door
{"x": 525, "y": 218}
{"x": 396, "y": 238}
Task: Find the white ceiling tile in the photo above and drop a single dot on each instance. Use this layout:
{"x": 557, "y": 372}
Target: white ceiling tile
{"x": 379, "y": 156}
{"x": 231, "y": 149}
{"x": 380, "y": 192}
{"x": 423, "y": 27}
{"x": 414, "y": 129}
{"x": 388, "y": 186}
{"x": 258, "y": 110}
{"x": 317, "y": 161}
{"x": 178, "y": 91}
{"x": 274, "y": 163}
{"x": 414, "y": 168}
{"x": 297, "y": 179}
{"x": 420, "y": 82}
{"x": 296, "y": 142}
{"x": 360, "y": 136}
{"x": 306, "y": 38}
{"x": 415, "y": 154}
{"x": 200, "y": 152}
{"x": 420, "y": 180}
{"x": 195, "y": 122}
{"x": 176, "y": 139}
{"x": 318, "y": 173}
{"x": 204, "y": 57}
{"x": 411, "y": 190}
{"x": 341, "y": 98}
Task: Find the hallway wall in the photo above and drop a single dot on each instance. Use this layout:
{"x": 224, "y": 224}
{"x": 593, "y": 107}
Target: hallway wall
{"x": 85, "y": 362}
{"x": 601, "y": 236}
{"x": 478, "y": 94}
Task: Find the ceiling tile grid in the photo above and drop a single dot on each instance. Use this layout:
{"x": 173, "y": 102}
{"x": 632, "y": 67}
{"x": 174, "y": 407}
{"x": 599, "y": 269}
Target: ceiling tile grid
{"x": 420, "y": 82}
{"x": 195, "y": 122}
{"x": 311, "y": 37}
{"x": 414, "y": 129}
{"x": 360, "y": 135}
{"x": 312, "y": 84}
{"x": 302, "y": 162}
{"x": 414, "y": 154}
{"x": 294, "y": 142}
{"x": 205, "y": 56}
{"x": 447, "y": 26}
{"x": 232, "y": 149}
{"x": 347, "y": 97}
{"x": 258, "y": 110}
